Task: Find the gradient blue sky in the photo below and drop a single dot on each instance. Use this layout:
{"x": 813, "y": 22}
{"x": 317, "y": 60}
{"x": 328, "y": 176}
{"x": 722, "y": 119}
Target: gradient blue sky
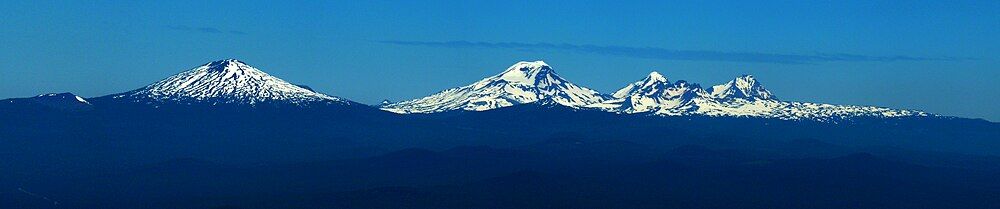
{"x": 938, "y": 56}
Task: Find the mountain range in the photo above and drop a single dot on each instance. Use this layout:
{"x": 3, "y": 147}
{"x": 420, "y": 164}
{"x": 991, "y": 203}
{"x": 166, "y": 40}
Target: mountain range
{"x": 229, "y": 93}
{"x": 537, "y": 82}
{"x": 232, "y": 82}
{"x": 227, "y": 135}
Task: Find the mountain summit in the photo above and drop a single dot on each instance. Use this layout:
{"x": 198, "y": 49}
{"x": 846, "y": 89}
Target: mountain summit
{"x": 743, "y": 87}
{"x": 650, "y": 84}
{"x": 227, "y": 81}
{"x": 524, "y": 82}
{"x": 654, "y": 94}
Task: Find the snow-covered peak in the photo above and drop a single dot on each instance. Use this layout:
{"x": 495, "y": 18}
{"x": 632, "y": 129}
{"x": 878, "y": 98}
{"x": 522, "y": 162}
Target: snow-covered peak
{"x": 656, "y": 76}
{"x": 227, "y": 64}
{"x": 744, "y": 96}
{"x": 525, "y": 72}
{"x": 653, "y": 94}
{"x": 524, "y": 82}
{"x": 650, "y": 84}
{"x": 743, "y": 87}
{"x": 226, "y": 81}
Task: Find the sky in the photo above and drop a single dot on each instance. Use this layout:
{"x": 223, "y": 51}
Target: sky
{"x": 936, "y": 56}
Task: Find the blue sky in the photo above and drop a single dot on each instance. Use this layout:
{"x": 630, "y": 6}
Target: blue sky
{"x": 930, "y": 55}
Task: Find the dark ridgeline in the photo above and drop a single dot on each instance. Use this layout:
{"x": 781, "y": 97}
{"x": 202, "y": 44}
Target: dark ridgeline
{"x": 61, "y": 151}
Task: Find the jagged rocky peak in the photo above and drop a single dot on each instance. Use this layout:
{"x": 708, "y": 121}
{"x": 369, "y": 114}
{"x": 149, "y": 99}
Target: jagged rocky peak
{"x": 651, "y": 84}
{"x": 228, "y": 81}
{"x": 227, "y": 64}
{"x": 743, "y": 87}
{"x": 656, "y": 85}
{"x": 743, "y": 96}
{"x": 654, "y": 94}
{"x": 655, "y": 77}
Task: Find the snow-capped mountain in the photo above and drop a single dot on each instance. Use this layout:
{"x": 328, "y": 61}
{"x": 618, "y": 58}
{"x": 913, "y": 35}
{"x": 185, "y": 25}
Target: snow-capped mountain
{"x": 743, "y": 96}
{"x": 227, "y": 81}
{"x": 651, "y": 83}
{"x": 654, "y": 94}
{"x": 536, "y": 82}
{"x": 743, "y": 87}
{"x": 524, "y": 82}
